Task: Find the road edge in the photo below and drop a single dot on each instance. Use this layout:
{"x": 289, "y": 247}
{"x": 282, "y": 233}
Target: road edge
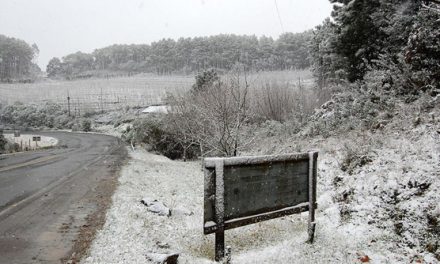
{"x": 96, "y": 219}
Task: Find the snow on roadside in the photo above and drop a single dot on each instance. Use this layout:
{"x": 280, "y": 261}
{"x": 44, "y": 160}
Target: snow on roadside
{"x": 26, "y": 138}
{"x": 111, "y": 130}
{"x": 131, "y": 231}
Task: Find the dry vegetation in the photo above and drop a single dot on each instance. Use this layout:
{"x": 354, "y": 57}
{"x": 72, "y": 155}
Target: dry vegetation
{"x": 211, "y": 118}
{"x": 113, "y": 93}
{"x": 97, "y": 94}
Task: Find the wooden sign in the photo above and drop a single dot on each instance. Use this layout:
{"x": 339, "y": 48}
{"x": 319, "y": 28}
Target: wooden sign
{"x": 36, "y": 138}
{"x": 245, "y": 190}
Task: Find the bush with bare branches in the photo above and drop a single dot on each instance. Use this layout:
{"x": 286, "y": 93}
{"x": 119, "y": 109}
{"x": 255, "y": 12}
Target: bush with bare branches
{"x": 213, "y": 117}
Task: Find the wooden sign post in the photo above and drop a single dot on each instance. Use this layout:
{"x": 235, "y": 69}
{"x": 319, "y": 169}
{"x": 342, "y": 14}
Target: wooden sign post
{"x": 240, "y": 191}
{"x": 36, "y": 139}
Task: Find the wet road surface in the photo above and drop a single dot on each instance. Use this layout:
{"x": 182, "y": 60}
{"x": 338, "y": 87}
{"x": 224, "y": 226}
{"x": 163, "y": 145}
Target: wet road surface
{"x": 47, "y": 196}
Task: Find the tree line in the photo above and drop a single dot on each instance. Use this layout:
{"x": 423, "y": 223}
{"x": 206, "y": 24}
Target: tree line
{"x": 189, "y": 55}
{"x": 395, "y": 43}
{"x": 17, "y": 60}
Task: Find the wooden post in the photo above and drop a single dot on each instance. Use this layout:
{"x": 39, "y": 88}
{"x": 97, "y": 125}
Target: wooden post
{"x": 219, "y": 245}
{"x": 68, "y": 102}
{"x": 68, "y": 105}
{"x": 102, "y": 106}
{"x": 228, "y": 255}
{"x": 219, "y": 211}
{"x": 313, "y": 157}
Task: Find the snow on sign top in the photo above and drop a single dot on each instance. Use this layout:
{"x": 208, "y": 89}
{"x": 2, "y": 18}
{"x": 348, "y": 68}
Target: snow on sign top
{"x": 240, "y": 191}
{"x": 252, "y": 186}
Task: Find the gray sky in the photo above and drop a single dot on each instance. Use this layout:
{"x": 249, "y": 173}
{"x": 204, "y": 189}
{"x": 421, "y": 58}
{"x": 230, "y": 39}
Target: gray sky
{"x": 60, "y": 27}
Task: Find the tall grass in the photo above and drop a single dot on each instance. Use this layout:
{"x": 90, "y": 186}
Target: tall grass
{"x": 281, "y": 96}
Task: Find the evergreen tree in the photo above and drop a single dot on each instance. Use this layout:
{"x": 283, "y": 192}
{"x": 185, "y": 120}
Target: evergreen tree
{"x": 422, "y": 52}
{"x": 359, "y": 38}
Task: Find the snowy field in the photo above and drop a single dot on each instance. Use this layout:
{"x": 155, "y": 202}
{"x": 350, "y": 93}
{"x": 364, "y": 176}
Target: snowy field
{"x": 97, "y": 94}
{"x": 26, "y": 141}
{"x": 113, "y": 92}
{"x": 131, "y": 231}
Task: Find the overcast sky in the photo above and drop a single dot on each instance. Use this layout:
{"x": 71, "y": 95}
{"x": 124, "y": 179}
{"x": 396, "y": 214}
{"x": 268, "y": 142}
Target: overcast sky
{"x": 60, "y": 27}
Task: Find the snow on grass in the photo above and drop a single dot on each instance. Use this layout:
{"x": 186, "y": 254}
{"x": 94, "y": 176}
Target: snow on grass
{"x": 111, "y": 130}
{"x": 394, "y": 198}
{"x": 131, "y": 230}
{"x": 26, "y": 139}
{"x": 387, "y": 208}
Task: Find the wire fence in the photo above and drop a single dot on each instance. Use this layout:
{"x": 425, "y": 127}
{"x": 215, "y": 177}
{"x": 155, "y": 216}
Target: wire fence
{"x": 99, "y": 95}
{"x": 94, "y": 95}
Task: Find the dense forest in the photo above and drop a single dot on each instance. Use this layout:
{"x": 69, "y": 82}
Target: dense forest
{"x": 189, "y": 55}
{"x": 393, "y": 45}
{"x": 17, "y": 60}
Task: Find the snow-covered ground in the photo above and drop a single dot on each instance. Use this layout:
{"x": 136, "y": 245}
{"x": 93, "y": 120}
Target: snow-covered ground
{"x": 386, "y": 210}
{"x": 26, "y": 140}
{"x": 111, "y": 130}
{"x": 131, "y": 231}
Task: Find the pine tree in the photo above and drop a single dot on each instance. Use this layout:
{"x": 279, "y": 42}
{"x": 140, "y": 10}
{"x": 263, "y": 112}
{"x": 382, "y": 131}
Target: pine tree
{"x": 359, "y": 39}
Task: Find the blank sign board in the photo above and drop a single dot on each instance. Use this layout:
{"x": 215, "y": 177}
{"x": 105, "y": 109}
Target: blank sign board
{"x": 245, "y": 190}
{"x": 254, "y": 187}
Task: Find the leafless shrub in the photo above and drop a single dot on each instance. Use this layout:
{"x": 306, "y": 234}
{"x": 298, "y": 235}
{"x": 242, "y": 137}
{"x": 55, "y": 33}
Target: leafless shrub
{"x": 283, "y": 101}
{"x": 273, "y": 102}
{"x": 213, "y": 117}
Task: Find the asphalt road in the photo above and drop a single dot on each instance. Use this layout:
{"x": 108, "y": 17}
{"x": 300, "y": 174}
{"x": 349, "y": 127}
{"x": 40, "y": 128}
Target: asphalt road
{"x": 46, "y": 197}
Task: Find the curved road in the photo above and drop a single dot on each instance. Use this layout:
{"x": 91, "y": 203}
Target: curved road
{"x": 48, "y": 197}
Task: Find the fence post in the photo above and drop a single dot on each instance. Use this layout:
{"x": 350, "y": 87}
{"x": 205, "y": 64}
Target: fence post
{"x": 68, "y": 103}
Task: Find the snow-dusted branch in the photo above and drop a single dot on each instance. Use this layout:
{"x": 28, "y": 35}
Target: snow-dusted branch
{"x": 433, "y": 7}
